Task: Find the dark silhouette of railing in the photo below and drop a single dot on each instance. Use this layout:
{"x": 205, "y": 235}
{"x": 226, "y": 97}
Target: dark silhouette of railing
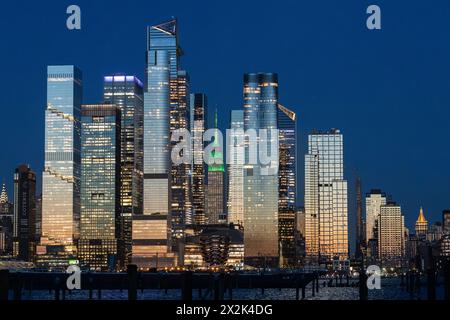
{"x": 217, "y": 285}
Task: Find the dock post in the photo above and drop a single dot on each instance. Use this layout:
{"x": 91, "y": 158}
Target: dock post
{"x": 363, "y": 290}
{"x": 186, "y": 286}
{"x": 303, "y": 292}
{"x": 447, "y": 280}
{"x": 317, "y": 282}
{"x": 431, "y": 284}
{"x": 313, "y": 288}
{"x": 90, "y": 283}
{"x": 57, "y": 285}
{"x": 218, "y": 287}
{"x": 229, "y": 282}
{"x": 4, "y": 284}
{"x": 132, "y": 281}
{"x": 407, "y": 282}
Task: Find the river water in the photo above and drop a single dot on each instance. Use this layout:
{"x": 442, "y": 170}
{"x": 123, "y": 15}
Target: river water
{"x": 390, "y": 290}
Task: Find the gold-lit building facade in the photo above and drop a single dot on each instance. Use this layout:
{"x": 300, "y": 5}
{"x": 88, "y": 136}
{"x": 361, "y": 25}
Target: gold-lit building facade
{"x": 326, "y": 199}
{"x": 61, "y": 176}
{"x": 391, "y": 236}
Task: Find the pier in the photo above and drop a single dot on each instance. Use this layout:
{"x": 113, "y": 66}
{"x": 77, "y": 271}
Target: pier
{"x": 218, "y": 286}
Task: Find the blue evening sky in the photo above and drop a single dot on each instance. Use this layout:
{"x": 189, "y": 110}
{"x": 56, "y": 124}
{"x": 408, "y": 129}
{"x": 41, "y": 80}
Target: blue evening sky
{"x": 388, "y": 91}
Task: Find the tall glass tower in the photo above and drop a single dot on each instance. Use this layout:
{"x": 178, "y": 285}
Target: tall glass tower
{"x": 326, "y": 208}
{"x": 61, "y": 176}
{"x": 161, "y": 62}
{"x": 163, "y": 39}
{"x": 260, "y": 186}
{"x": 126, "y": 92}
{"x": 287, "y": 133}
{"x": 181, "y": 210}
{"x": 100, "y": 187}
{"x": 236, "y": 169}
{"x": 198, "y": 109}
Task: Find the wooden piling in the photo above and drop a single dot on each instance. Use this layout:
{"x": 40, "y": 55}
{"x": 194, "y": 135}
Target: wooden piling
{"x": 132, "y": 281}
{"x": 4, "y": 284}
{"x": 186, "y": 286}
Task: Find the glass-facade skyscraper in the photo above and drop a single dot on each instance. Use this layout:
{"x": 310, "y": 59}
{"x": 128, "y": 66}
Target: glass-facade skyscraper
{"x": 166, "y": 89}
{"x": 161, "y": 69}
{"x": 181, "y": 210}
{"x": 61, "y": 176}
{"x": 100, "y": 186}
{"x": 198, "y": 110}
{"x": 236, "y": 168}
{"x": 126, "y": 92}
{"x": 260, "y": 183}
{"x": 24, "y": 234}
{"x": 326, "y": 207}
{"x": 287, "y": 133}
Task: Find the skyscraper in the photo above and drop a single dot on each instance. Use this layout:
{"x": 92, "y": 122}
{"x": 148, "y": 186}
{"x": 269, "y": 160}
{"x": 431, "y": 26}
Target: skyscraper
{"x": 166, "y": 89}
{"x": 359, "y": 219}
{"x": 100, "y": 225}
{"x": 126, "y": 92}
{"x": 198, "y": 109}
{"x": 446, "y": 221}
{"x": 391, "y": 235}
{"x": 374, "y": 200}
{"x": 421, "y": 224}
{"x": 287, "y": 126}
{"x": 261, "y": 176}
{"x": 326, "y": 229}
{"x": 3, "y": 195}
{"x": 24, "y": 246}
{"x": 162, "y": 60}
{"x": 156, "y": 135}
{"x": 61, "y": 176}
{"x": 236, "y": 169}
{"x": 181, "y": 210}
{"x": 6, "y": 222}
{"x": 215, "y": 208}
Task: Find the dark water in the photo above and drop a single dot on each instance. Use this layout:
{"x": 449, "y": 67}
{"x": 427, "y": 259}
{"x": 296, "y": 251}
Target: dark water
{"x": 390, "y": 290}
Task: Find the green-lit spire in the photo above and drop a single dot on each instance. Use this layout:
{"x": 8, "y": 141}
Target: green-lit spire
{"x": 217, "y": 151}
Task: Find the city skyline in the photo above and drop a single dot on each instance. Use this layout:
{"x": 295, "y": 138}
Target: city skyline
{"x": 410, "y": 204}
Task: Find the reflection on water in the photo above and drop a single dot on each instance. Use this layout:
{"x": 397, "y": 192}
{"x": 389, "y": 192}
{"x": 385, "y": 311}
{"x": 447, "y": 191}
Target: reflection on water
{"x": 390, "y": 290}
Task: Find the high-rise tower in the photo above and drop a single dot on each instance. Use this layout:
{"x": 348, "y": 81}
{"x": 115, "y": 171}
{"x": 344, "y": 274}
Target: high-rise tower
{"x": 261, "y": 176}
{"x": 100, "y": 226}
{"x": 163, "y": 40}
{"x": 24, "y": 247}
{"x": 198, "y": 109}
{"x": 235, "y": 163}
{"x": 326, "y": 197}
{"x": 287, "y": 129}
{"x": 61, "y": 176}
{"x": 374, "y": 200}
{"x": 126, "y": 92}
{"x": 215, "y": 190}
{"x": 359, "y": 219}
{"x": 421, "y": 224}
